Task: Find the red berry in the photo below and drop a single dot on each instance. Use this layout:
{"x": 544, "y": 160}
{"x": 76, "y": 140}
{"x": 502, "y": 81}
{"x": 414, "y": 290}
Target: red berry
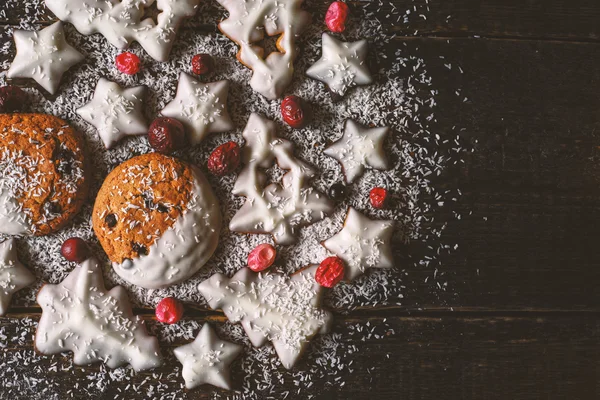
{"x": 166, "y": 135}
{"x": 294, "y": 111}
{"x": 330, "y": 272}
{"x": 75, "y": 250}
{"x": 169, "y": 310}
{"x": 202, "y": 64}
{"x": 336, "y": 16}
{"x": 378, "y": 197}
{"x": 12, "y": 98}
{"x": 224, "y": 159}
{"x": 128, "y": 63}
{"x": 262, "y": 257}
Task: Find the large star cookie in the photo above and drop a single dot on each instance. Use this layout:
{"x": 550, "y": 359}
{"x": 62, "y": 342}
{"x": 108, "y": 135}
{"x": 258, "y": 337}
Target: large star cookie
{"x": 201, "y": 107}
{"x": 115, "y": 112}
{"x": 13, "y": 275}
{"x": 362, "y": 243}
{"x": 278, "y": 209}
{"x": 359, "y": 148}
{"x": 270, "y": 306}
{"x": 96, "y": 324}
{"x": 342, "y": 65}
{"x": 207, "y": 359}
{"x": 44, "y": 56}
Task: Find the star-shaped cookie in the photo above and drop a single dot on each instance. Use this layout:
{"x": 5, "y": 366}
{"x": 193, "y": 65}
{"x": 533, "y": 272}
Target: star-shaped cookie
{"x": 13, "y": 275}
{"x": 207, "y": 359}
{"x": 200, "y": 107}
{"x": 115, "y": 112}
{"x": 362, "y": 243}
{"x": 359, "y": 148}
{"x": 342, "y": 65}
{"x": 44, "y": 56}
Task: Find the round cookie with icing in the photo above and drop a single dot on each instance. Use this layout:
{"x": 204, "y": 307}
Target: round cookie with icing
{"x": 43, "y": 180}
{"x": 158, "y": 220}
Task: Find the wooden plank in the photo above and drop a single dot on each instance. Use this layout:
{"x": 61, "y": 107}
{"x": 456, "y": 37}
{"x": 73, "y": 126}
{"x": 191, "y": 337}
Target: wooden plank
{"x": 397, "y": 357}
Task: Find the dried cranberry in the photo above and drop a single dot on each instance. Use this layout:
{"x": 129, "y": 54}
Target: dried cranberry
{"x": 169, "y": 310}
{"x": 75, "y": 250}
{"x": 262, "y": 257}
{"x": 166, "y": 135}
{"x": 294, "y": 111}
{"x": 330, "y": 272}
{"x": 378, "y": 197}
{"x": 336, "y": 16}
{"x": 203, "y": 64}
{"x": 337, "y": 191}
{"x": 224, "y": 159}
{"x": 128, "y": 63}
{"x": 12, "y": 98}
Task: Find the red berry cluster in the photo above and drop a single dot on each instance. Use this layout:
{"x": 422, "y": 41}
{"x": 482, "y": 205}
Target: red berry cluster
{"x": 224, "y": 159}
{"x": 166, "y": 135}
{"x": 378, "y": 197}
{"x": 128, "y": 63}
{"x": 261, "y": 257}
{"x": 336, "y": 16}
{"x": 295, "y": 112}
{"x": 330, "y": 272}
{"x": 169, "y": 310}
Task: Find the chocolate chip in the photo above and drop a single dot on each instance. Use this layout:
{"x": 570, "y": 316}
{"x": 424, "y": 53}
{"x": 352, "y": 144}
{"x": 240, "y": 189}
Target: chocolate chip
{"x": 141, "y": 250}
{"x": 111, "y": 220}
{"x": 65, "y": 158}
{"x": 51, "y": 208}
{"x": 162, "y": 208}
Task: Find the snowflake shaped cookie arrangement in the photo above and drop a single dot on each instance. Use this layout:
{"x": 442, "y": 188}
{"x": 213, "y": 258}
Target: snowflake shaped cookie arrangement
{"x": 246, "y": 25}
{"x": 275, "y": 209}
{"x": 121, "y": 23}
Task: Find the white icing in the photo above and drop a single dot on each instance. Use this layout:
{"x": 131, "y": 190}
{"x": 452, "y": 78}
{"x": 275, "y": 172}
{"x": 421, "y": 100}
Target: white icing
{"x": 121, "y": 22}
{"x": 13, "y": 275}
{"x": 362, "y": 243}
{"x": 342, "y": 65}
{"x": 275, "y": 209}
{"x": 200, "y": 107}
{"x": 44, "y": 56}
{"x": 247, "y": 23}
{"x": 360, "y": 147}
{"x": 182, "y": 249}
{"x": 80, "y": 315}
{"x": 13, "y": 220}
{"x": 207, "y": 359}
{"x": 270, "y": 306}
{"x": 115, "y": 112}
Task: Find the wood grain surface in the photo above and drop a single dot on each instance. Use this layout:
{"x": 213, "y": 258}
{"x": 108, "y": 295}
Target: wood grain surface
{"x": 520, "y": 318}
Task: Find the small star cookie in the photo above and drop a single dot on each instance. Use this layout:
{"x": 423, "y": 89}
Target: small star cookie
{"x": 342, "y": 65}
{"x": 13, "y": 275}
{"x": 359, "y": 148}
{"x": 200, "y": 107}
{"x": 207, "y": 359}
{"x": 115, "y": 112}
{"x": 44, "y": 56}
{"x": 362, "y": 243}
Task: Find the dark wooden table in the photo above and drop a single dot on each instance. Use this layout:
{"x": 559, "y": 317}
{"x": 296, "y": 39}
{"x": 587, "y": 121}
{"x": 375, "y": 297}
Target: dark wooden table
{"x": 521, "y": 316}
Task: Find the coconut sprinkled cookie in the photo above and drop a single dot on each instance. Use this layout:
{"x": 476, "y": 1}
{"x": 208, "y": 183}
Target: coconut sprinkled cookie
{"x": 157, "y": 219}
{"x": 42, "y": 174}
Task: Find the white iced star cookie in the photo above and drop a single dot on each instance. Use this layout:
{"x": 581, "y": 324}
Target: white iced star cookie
{"x": 200, "y": 107}
{"x": 44, "y": 56}
{"x": 360, "y": 147}
{"x": 247, "y": 24}
{"x": 362, "y": 243}
{"x": 207, "y": 360}
{"x": 285, "y": 310}
{"x": 124, "y": 21}
{"x": 115, "y": 112}
{"x": 342, "y": 65}
{"x": 96, "y": 324}
{"x": 13, "y": 275}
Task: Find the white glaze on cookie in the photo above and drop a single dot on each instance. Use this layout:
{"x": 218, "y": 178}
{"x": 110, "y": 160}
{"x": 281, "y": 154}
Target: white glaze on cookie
{"x": 13, "y": 275}
{"x": 277, "y": 209}
{"x": 246, "y": 25}
{"x": 115, "y": 112}
{"x": 182, "y": 249}
{"x": 207, "y": 359}
{"x": 44, "y": 56}
{"x": 81, "y": 316}
{"x": 362, "y": 243}
{"x": 284, "y": 310}
{"x": 122, "y": 21}
{"x": 342, "y": 65}
{"x": 360, "y": 147}
{"x": 200, "y": 107}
